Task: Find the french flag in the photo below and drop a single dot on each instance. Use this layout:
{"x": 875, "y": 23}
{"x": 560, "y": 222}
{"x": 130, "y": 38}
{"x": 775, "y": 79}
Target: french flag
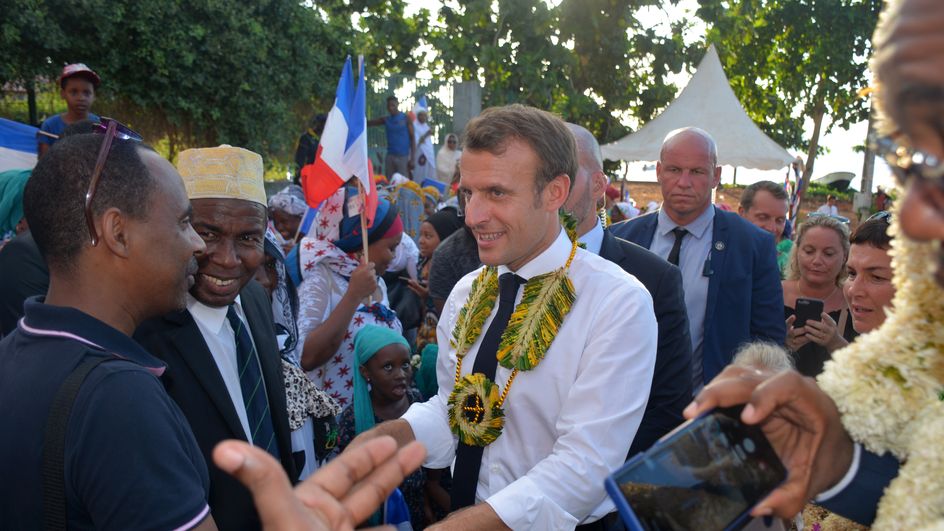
{"x": 342, "y": 152}
{"x": 17, "y": 145}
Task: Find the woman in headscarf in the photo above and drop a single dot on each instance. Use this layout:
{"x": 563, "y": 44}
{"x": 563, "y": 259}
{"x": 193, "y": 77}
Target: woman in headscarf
{"x": 341, "y": 290}
{"x": 311, "y": 412}
{"x": 448, "y": 158}
{"x": 286, "y": 210}
{"x": 433, "y": 231}
{"x": 423, "y": 140}
{"x": 12, "y": 222}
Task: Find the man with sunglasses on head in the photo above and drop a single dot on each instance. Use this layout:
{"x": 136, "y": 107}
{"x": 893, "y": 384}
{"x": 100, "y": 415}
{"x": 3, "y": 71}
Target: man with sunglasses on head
{"x": 110, "y": 449}
{"x": 801, "y": 421}
{"x": 112, "y": 221}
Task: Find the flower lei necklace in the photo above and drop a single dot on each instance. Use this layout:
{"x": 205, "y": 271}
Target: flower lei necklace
{"x": 888, "y": 387}
{"x": 475, "y": 405}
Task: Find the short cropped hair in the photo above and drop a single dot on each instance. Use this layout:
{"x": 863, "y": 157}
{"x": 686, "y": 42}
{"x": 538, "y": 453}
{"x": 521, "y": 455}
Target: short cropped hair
{"x": 774, "y": 189}
{"x": 827, "y": 222}
{"x": 705, "y": 135}
{"x": 54, "y": 198}
{"x": 763, "y": 356}
{"x": 873, "y": 232}
{"x": 392, "y": 98}
{"x": 544, "y": 132}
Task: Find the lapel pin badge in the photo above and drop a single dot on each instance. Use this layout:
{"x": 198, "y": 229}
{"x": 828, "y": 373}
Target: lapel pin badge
{"x": 719, "y": 245}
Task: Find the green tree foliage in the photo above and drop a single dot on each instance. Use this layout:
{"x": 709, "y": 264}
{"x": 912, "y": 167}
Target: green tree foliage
{"x": 385, "y": 36}
{"x": 788, "y": 60}
{"x": 588, "y": 60}
{"x": 200, "y": 72}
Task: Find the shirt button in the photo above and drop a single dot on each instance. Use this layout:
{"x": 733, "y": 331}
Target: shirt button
{"x": 495, "y": 468}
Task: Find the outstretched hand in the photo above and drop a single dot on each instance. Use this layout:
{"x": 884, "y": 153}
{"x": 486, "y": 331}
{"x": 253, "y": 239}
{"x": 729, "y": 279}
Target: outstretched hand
{"x": 800, "y": 421}
{"x": 337, "y": 496}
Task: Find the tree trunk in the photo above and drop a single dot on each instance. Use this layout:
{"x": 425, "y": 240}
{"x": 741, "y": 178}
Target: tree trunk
{"x": 868, "y": 163}
{"x": 819, "y": 111}
{"x": 31, "y": 102}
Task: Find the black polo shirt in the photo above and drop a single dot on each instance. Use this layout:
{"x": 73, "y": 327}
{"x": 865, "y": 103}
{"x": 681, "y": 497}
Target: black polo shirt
{"x": 131, "y": 461}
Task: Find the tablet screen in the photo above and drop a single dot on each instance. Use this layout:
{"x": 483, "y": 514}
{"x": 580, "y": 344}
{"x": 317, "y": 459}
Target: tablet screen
{"x": 705, "y": 476}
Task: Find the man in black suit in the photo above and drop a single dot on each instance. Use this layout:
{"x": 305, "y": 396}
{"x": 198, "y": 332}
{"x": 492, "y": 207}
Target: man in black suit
{"x": 224, "y": 369}
{"x": 672, "y": 381}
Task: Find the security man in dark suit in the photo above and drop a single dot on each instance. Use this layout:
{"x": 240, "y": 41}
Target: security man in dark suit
{"x": 224, "y": 369}
{"x": 672, "y": 381}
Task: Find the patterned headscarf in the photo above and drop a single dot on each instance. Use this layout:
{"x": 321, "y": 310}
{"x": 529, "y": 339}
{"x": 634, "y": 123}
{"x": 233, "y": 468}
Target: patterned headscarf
{"x": 290, "y": 200}
{"x": 368, "y": 341}
{"x": 284, "y": 301}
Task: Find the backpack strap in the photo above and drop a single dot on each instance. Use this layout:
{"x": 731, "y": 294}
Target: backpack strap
{"x": 54, "y": 490}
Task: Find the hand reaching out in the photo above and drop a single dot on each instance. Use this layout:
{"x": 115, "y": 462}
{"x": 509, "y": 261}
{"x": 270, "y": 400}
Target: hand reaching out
{"x": 337, "y": 496}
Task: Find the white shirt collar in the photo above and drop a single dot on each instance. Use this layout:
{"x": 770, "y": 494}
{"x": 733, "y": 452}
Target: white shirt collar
{"x": 696, "y": 228}
{"x": 210, "y": 317}
{"x": 553, "y": 257}
{"x": 593, "y": 239}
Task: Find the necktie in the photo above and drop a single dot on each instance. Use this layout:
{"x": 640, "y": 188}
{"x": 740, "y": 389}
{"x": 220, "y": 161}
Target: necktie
{"x": 469, "y": 458}
{"x": 677, "y": 246}
{"x": 250, "y": 381}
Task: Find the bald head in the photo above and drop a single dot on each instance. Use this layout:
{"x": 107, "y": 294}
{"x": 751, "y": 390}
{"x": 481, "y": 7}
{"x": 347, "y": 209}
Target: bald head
{"x": 588, "y": 149}
{"x": 688, "y": 134}
{"x": 589, "y": 181}
{"x": 687, "y": 172}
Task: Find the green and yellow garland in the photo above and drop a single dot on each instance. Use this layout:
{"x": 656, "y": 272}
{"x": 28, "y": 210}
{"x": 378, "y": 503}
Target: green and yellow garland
{"x": 475, "y": 406}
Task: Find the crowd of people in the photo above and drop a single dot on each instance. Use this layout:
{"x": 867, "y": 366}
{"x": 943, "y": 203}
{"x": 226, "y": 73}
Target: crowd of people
{"x": 179, "y": 349}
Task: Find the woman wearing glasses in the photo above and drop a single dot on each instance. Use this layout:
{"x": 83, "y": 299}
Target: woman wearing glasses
{"x": 816, "y": 270}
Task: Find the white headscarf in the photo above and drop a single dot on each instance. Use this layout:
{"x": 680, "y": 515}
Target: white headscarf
{"x": 447, "y": 159}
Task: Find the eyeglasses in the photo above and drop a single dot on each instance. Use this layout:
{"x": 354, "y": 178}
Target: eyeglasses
{"x": 882, "y": 215}
{"x": 907, "y": 162}
{"x": 111, "y": 129}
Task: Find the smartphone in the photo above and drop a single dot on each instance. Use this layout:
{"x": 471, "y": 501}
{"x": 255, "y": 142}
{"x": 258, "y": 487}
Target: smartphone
{"x": 707, "y": 474}
{"x": 807, "y": 310}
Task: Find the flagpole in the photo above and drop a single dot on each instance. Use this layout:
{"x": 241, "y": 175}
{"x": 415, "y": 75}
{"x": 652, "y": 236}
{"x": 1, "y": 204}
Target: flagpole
{"x": 363, "y": 194}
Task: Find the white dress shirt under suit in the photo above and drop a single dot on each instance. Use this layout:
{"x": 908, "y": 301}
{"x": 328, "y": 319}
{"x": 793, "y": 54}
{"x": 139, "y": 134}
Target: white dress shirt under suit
{"x": 221, "y": 341}
{"x": 696, "y": 247}
{"x": 570, "y": 421}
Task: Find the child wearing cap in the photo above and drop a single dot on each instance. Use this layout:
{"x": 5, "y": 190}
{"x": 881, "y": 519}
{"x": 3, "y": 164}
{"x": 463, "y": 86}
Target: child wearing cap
{"x": 78, "y": 84}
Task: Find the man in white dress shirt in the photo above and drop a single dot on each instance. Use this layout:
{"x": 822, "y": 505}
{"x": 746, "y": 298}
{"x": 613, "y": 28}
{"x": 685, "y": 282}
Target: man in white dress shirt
{"x": 570, "y": 420}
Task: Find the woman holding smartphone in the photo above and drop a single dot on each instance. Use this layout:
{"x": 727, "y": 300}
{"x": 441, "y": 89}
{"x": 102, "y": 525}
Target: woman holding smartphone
{"x": 816, "y": 270}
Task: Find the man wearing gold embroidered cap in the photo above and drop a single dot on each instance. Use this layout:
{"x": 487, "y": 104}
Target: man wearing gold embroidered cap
{"x": 224, "y": 369}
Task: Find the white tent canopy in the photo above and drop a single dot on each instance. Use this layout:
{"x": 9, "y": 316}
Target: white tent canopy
{"x": 707, "y": 102}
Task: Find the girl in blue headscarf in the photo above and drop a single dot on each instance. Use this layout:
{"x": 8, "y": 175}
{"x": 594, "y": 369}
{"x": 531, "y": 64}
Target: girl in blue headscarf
{"x": 383, "y": 390}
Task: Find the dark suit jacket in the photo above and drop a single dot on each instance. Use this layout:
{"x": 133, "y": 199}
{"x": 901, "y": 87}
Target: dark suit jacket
{"x": 23, "y": 274}
{"x": 859, "y": 501}
{"x": 745, "y": 299}
{"x": 193, "y": 380}
{"x": 672, "y": 381}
